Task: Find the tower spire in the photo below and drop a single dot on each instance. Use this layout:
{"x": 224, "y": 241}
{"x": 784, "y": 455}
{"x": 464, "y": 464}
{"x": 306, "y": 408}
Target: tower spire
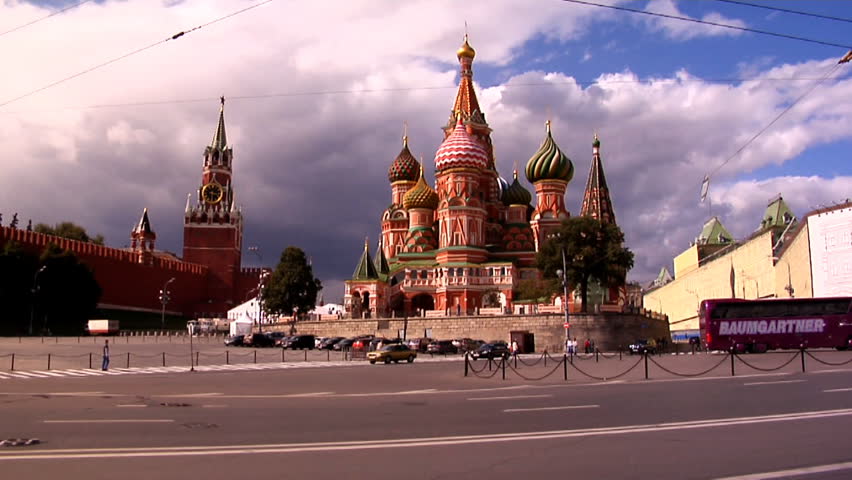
{"x": 596, "y": 201}
{"x": 220, "y": 141}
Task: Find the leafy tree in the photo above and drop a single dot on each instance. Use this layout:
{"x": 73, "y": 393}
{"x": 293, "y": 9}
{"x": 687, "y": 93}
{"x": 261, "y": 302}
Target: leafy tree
{"x": 532, "y": 289}
{"x": 67, "y": 293}
{"x": 593, "y": 251}
{"x": 17, "y": 270}
{"x": 292, "y": 287}
{"x": 68, "y": 230}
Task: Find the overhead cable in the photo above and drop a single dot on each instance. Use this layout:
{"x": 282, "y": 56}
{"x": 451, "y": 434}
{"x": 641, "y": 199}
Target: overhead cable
{"x": 129, "y": 54}
{"x": 706, "y": 22}
{"x": 19, "y": 27}
{"x": 787, "y": 10}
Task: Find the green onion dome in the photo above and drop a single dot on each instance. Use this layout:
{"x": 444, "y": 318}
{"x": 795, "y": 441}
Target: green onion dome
{"x": 549, "y": 163}
{"x": 516, "y": 194}
{"x": 404, "y": 167}
{"x": 420, "y": 196}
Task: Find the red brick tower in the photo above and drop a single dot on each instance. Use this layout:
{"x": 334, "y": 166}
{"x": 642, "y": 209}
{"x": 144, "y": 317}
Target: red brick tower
{"x": 213, "y": 227}
{"x": 142, "y": 239}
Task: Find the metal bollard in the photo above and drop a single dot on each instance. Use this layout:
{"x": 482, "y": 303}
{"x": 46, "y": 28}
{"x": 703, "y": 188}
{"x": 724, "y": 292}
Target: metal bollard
{"x": 732, "y": 361}
{"x": 128, "y": 359}
{"x": 646, "y": 365}
{"x": 306, "y": 354}
{"x": 596, "y": 354}
{"x": 465, "y": 364}
{"x": 48, "y": 361}
{"x": 227, "y": 357}
{"x": 565, "y": 366}
{"x": 13, "y": 362}
{"x": 803, "y": 359}
{"x": 196, "y": 357}
{"x": 504, "y": 368}
{"x": 328, "y": 355}
{"x": 164, "y": 359}
{"x": 90, "y": 360}
{"x": 255, "y": 356}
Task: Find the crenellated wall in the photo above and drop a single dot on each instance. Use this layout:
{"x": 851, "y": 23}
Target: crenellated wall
{"x": 127, "y": 283}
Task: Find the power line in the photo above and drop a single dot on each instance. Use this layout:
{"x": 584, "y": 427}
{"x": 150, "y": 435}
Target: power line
{"x": 774, "y": 120}
{"x": 309, "y": 93}
{"x": 705, "y": 22}
{"x": 787, "y": 10}
{"x": 19, "y": 27}
{"x": 134, "y": 52}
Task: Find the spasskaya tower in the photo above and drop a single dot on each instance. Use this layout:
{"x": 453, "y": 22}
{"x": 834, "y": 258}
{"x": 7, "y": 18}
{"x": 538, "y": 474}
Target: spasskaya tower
{"x": 213, "y": 226}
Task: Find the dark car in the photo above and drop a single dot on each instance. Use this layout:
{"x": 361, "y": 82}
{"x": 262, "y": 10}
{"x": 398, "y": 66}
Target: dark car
{"x": 491, "y": 350}
{"x": 235, "y": 341}
{"x": 442, "y": 346}
{"x": 260, "y": 340}
{"x": 467, "y": 344}
{"x": 328, "y": 343}
{"x": 419, "y": 344}
{"x": 276, "y": 337}
{"x": 643, "y": 346}
{"x": 300, "y": 341}
{"x": 344, "y": 344}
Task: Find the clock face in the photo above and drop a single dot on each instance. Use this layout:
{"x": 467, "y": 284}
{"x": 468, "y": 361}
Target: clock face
{"x": 212, "y": 193}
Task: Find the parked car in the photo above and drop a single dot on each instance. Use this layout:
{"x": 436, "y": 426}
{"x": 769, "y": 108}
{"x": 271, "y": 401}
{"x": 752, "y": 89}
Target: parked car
{"x": 419, "y": 344}
{"x": 235, "y": 341}
{"x": 442, "y": 347}
{"x": 643, "y": 346}
{"x": 259, "y": 340}
{"x": 392, "y": 353}
{"x": 299, "y": 342}
{"x": 362, "y": 342}
{"x": 277, "y": 337}
{"x": 467, "y": 344}
{"x": 491, "y": 350}
{"x": 328, "y": 343}
{"x": 344, "y": 344}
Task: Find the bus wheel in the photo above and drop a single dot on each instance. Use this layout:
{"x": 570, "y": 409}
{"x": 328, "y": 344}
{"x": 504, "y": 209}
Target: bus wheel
{"x": 845, "y": 347}
{"x": 759, "y": 348}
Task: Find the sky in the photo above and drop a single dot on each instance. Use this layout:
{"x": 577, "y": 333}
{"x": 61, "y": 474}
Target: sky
{"x": 318, "y": 92}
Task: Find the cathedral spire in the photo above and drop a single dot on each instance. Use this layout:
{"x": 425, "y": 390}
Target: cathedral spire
{"x": 596, "y": 201}
{"x": 381, "y": 261}
{"x": 220, "y": 141}
{"x": 365, "y": 270}
{"x": 466, "y": 103}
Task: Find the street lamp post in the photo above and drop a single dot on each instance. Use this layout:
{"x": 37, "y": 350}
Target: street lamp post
{"x": 34, "y": 291}
{"x": 563, "y": 276}
{"x": 165, "y": 296}
{"x": 260, "y": 281}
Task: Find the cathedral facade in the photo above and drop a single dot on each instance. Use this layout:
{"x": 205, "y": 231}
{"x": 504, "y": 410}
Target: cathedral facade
{"x": 467, "y": 242}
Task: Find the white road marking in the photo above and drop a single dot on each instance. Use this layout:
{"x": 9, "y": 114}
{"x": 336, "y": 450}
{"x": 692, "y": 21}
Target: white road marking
{"x": 30, "y": 374}
{"x": 214, "y": 406}
{"x": 566, "y": 407}
{"x": 50, "y": 374}
{"x": 137, "y": 452}
{"x": 835, "y": 370}
{"x": 834, "y": 467}
{"x": 128, "y": 420}
{"x": 132, "y": 405}
{"x": 483, "y": 399}
{"x": 772, "y": 383}
{"x": 835, "y": 390}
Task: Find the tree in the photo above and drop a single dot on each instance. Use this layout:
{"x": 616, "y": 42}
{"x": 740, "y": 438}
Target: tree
{"x": 68, "y": 230}
{"x": 593, "y": 251}
{"x": 17, "y": 270}
{"x": 67, "y": 293}
{"x": 292, "y": 287}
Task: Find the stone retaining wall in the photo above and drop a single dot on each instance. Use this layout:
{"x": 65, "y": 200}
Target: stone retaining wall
{"x": 610, "y": 331}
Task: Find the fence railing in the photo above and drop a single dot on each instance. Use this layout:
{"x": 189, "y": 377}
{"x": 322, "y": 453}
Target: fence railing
{"x": 562, "y": 365}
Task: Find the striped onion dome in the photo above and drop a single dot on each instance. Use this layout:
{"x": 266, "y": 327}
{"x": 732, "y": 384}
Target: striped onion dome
{"x": 549, "y": 163}
{"x": 404, "y": 167}
{"x": 421, "y": 195}
{"x": 460, "y": 150}
{"x": 516, "y": 194}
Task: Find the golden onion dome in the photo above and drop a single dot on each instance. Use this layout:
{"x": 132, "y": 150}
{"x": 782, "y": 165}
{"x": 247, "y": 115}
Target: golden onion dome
{"x": 421, "y": 196}
{"x": 465, "y": 50}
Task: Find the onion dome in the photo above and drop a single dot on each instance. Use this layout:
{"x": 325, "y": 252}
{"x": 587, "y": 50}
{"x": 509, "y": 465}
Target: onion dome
{"x": 516, "y": 194}
{"x": 420, "y": 196}
{"x": 502, "y": 186}
{"x": 460, "y": 150}
{"x": 597, "y": 142}
{"x": 465, "y": 51}
{"x": 549, "y": 163}
{"x": 404, "y": 167}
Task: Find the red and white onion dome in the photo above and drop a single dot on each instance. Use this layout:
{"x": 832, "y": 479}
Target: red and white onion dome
{"x": 460, "y": 150}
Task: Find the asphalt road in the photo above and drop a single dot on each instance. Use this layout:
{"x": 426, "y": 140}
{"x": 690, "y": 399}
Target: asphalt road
{"x": 426, "y": 420}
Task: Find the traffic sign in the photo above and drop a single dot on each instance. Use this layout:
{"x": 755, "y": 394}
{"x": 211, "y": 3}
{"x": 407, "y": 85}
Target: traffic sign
{"x": 566, "y": 325}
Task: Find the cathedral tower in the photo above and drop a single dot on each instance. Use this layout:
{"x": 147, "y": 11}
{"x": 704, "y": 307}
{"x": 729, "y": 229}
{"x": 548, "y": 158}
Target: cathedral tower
{"x": 142, "y": 239}
{"x": 213, "y": 227}
{"x": 549, "y": 170}
{"x": 596, "y": 201}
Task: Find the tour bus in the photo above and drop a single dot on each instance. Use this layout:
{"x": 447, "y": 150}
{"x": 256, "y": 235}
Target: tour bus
{"x": 760, "y": 325}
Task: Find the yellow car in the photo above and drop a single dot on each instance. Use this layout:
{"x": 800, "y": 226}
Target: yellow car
{"x": 394, "y": 352}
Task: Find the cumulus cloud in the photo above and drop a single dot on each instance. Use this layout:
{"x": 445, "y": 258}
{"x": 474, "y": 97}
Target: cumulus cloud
{"x": 315, "y": 117}
{"x": 680, "y": 30}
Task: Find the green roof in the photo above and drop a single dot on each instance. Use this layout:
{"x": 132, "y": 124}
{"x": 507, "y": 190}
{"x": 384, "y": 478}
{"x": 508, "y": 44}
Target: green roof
{"x": 777, "y": 214}
{"x": 365, "y": 270}
{"x": 714, "y": 233}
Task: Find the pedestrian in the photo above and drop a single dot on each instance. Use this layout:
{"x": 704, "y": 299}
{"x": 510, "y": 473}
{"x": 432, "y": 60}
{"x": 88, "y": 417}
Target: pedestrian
{"x": 587, "y": 345}
{"x": 568, "y": 345}
{"x": 514, "y": 347}
{"x": 105, "y": 364}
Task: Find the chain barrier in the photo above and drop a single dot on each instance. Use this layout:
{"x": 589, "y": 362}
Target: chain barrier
{"x": 477, "y": 373}
{"x": 558, "y": 365}
{"x": 612, "y": 377}
{"x": 536, "y": 362}
{"x": 761, "y": 369}
{"x": 580, "y": 356}
{"x": 607, "y": 355}
{"x": 831, "y": 364}
{"x": 556, "y": 359}
{"x": 704, "y": 372}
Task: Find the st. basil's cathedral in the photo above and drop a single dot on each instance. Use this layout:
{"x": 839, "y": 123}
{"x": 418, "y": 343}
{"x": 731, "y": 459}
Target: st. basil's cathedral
{"x": 466, "y": 244}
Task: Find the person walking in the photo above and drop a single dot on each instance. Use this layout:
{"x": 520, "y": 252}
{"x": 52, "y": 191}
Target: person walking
{"x": 514, "y": 347}
{"x": 105, "y": 364}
